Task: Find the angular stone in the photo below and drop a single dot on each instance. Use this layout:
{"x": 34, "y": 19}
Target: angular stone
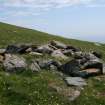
{"x": 58, "y": 54}
{"x": 58, "y": 44}
{"x": 75, "y": 81}
{"x": 14, "y": 63}
{"x": 34, "y": 67}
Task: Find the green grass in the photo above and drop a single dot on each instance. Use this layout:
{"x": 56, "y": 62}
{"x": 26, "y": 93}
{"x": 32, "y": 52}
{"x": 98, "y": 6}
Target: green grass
{"x": 33, "y": 89}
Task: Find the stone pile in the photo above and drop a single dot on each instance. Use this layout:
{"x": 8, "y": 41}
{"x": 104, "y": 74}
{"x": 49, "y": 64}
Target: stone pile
{"x": 82, "y": 65}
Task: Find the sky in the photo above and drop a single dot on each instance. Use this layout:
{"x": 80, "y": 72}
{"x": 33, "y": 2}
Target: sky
{"x": 77, "y": 19}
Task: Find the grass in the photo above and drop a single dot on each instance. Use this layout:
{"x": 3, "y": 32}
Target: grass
{"x": 27, "y": 88}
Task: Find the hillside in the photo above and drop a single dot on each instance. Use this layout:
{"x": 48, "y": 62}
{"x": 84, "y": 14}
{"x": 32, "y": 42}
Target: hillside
{"x": 33, "y": 89}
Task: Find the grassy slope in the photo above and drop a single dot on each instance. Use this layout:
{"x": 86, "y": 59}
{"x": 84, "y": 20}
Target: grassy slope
{"x": 32, "y": 89}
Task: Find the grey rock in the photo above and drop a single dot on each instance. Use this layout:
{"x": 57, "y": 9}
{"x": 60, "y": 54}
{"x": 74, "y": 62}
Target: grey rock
{"x": 44, "y": 63}
{"x": 68, "y": 52}
{"x": 75, "y": 81}
{"x": 34, "y": 67}
{"x": 53, "y": 68}
{"x": 2, "y": 51}
{"x": 58, "y": 44}
{"x": 58, "y": 54}
{"x": 14, "y": 63}
{"x": 44, "y": 49}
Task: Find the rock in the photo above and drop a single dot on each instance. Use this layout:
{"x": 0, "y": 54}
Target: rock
{"x": 93, "y": 63}
{"x": 34, "y": 67}
{"x": 58, "y": 54}
{"x": 2, "y": 51}
{"x": 75, "y": 81}
{"x": 97, "y": 54}
{"x": 53, "y": 68}
{"x": 58, "y": 44}
{"x": 44, "y": 49}
{"x": 48, "y": 64}
{"x": 70, "y": 68}
{"x": 74, "y": 95}
{"x": 44, "y": 64}
{"x": 79, "y": 55}
{"x": 68, "y": 52}
{"x": 36, "y": 53}
{"x": 12, "y": 49}
{"x": 92, "y": 71}
{"x": 74, "y": 49}
{"x": 1, "y": 58}
{"x": 29, "y": 50}
{"x": 13, "y": 63}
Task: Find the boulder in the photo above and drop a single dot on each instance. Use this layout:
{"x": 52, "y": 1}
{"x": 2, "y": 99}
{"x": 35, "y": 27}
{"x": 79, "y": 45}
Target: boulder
{"x": 34, "y": 67}
{"x": 58, "y": 44}
{"x": 13, "y": 63}
{"x": 70, "y": 68}
{"x": 12, "y": 49}
{"x": 2, "y": 51}
{"x": 75, "y": 81}
{"x": 59, "y": 55}
{"x": 44, "y": 49}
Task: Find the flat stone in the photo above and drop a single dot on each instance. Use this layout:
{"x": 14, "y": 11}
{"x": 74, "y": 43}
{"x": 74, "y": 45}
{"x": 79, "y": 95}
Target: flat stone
{"x": 75, "y": 81}
{"x": 36, "y": 53}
